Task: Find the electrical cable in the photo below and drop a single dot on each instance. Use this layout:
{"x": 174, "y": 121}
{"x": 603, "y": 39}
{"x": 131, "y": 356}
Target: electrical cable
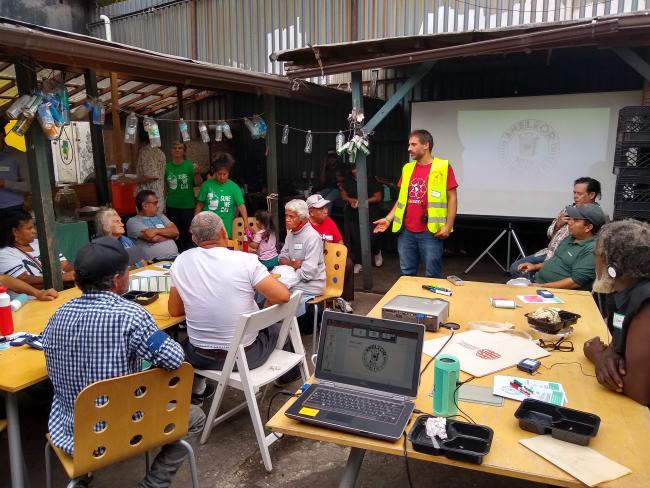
{"x": 406, "y": 460}
{"x": 268, "y": 411}
{"x": 439, "y": 351}
{"x": 571, "y": 362}
{"x": 463, "y": 414}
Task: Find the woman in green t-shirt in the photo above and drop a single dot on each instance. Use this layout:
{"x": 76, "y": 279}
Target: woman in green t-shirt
{"x": 179, "y": 190}
{"x": 222, "y": 195}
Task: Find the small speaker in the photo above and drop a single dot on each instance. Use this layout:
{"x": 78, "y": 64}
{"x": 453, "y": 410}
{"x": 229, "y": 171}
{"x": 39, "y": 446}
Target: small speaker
{"x": 445, "y": 383}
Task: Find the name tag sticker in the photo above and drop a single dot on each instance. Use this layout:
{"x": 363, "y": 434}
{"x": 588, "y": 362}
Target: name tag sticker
{"x": 618, "y": 320}
{"x": 310, "y": 412}
{"x": 435, "y": 194}
{"x": 297, "y": 246}
{"x": 160, "y": 226}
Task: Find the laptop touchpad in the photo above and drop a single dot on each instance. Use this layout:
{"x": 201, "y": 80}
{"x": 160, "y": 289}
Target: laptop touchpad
{"x": 340, "y": 417}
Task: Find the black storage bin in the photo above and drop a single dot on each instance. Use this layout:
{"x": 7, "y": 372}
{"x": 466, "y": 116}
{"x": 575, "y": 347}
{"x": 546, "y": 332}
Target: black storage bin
{"x": 632, "y": 196}
{"x": 465, "y": 442}
{"x": 563, "y": 423}
{"x": 634, "y": 125}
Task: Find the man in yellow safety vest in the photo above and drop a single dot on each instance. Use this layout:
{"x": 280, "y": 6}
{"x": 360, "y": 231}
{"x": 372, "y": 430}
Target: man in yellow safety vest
{"x": 425, "y": 209}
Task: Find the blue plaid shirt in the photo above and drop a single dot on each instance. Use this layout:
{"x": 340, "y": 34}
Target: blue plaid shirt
{"x": 95, "y": 337}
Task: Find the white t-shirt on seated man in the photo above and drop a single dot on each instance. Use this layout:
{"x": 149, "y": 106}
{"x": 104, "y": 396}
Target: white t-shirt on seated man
{"x": 213, "y": 286}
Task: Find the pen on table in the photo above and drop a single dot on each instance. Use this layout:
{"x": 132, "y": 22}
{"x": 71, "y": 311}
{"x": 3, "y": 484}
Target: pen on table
{"x": 519, "y": 388}
{"x": 437, "y": 289}
{"x": 522, "y": 386}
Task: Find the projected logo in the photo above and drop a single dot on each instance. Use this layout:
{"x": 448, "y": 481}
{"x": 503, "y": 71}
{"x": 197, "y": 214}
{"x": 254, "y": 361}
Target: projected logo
{"x": 530, "y": 145}
{"x": 375, "y": 358}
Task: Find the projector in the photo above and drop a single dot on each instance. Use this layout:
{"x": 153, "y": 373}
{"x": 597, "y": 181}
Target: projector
{"x": 430, "y": 312}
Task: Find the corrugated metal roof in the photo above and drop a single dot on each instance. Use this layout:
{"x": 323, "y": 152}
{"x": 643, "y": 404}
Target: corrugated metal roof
{"x": 603, "y": 32}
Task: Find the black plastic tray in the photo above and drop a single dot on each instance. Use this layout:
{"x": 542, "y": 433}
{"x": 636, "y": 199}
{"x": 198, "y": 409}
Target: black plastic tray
{"x": 566, "y": 319}
{"x": 465, "y": 442}
{"x": 141, "y": 297}
{"x": 563, "y": 423}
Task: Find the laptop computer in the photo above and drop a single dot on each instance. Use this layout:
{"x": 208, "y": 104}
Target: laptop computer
{"x": 367, "y": 375}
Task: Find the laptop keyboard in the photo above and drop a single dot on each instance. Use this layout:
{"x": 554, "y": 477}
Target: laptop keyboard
{"x": 357, "y": 405}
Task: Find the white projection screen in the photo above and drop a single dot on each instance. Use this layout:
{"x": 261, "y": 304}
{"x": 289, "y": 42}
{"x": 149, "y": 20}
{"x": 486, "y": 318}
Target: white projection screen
{"x": 518, "y": 157}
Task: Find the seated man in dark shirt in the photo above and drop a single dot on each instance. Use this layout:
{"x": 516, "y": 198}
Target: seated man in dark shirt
{"x": 623, "y": 269}
{"x": 572, "y": 266}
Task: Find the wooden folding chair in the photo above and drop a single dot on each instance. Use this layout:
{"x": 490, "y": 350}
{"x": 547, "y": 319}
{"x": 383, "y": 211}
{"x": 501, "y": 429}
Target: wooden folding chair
{"x": 335, "y": 258}
{"x": 238, "y": 227}
{"x": 250, "y": 381}
{"x": 122, "y": 417}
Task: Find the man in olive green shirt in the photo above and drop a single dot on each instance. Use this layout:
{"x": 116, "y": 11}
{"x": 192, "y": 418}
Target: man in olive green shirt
{"x": 572, "y": 266}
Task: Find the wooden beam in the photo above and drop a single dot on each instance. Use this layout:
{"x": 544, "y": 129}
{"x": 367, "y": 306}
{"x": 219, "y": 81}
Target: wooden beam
{"x": 169, "y": 104}
{"x": 39, "y": 162}
{"x": 639, "y": 64}
{"x": 117, "y": 124}
{"x": 97, "y": 141}
{"x": 272, "y": 155}
{"x": 179, "y": 101}
{"x": 362, "y": 191}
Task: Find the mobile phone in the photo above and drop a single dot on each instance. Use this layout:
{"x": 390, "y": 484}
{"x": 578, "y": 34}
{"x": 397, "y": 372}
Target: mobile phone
{"x": 455, "y": 280}
{"x": 545, "y": 294}
{"x": 528, "y": 365}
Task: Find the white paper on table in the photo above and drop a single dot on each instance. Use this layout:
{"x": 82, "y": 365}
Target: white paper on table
{"x": 148, "y": 273}
{"x": 159, "y": 283}
{"x": 581, "y": 462}
{"x": 546, "y": 391}
{"x": 482, "y": 353}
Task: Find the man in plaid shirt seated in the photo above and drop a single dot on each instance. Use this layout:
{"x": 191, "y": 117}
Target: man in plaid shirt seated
{"x": 101, "y": 335}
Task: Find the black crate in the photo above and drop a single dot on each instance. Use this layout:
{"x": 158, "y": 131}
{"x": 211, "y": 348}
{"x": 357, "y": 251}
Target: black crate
{"x": 632, "y": 156}
{"x": 633, "y": 189}
{"x": 634, "y": 125}
{"x": 622, "y": 213}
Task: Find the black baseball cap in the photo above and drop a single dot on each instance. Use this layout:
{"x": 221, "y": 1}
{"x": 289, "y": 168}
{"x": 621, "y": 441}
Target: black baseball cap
{"x": 102, "y": 257}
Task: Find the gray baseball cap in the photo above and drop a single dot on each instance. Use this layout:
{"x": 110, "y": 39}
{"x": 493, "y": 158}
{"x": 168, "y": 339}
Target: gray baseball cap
{"x": 590, "y": 212}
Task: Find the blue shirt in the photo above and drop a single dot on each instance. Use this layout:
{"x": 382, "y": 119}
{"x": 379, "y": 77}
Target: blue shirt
{"x": 96, "y": 337}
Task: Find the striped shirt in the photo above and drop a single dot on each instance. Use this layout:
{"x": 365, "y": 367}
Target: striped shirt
{"x": 95, "y": 337}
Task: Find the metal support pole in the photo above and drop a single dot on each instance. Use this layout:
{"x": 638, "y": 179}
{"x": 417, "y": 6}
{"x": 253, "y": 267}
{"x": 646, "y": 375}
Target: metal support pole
{"x": 639, "y": 64}
{"x": 272, "y": 155}
{"x": 352, "y": 468}
{"x": 39, "y": 161}
{"x": 97, "y": 141}
{"x": 118, "y": 138}
{"x": 362, "y": 190}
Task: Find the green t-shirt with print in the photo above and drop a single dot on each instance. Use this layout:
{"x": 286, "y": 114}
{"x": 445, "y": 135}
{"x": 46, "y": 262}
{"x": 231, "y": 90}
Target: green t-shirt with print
{"x": 179, "y": 180}
{"x": 222, "y": 199}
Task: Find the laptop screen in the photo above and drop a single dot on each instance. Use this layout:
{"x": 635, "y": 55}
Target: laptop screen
{"x": 373, "y": 353}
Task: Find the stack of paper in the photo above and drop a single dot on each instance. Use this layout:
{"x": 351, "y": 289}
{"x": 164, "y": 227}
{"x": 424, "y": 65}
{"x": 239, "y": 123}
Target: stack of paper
{"x": 546, "y": 391}
{"x": 149, "y": 280}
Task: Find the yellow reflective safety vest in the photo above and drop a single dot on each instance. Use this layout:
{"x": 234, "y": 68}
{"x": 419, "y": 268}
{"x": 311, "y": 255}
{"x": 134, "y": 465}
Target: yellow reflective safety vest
{"x": 436, "y": 195}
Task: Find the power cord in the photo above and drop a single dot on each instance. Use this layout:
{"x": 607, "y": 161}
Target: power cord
{"x": 463, "y": 414}
{"x": 572, "y": 362}
{"x": 268, "y": 411}
{"x": 436, "y": 354}
{"x": 406, "y": 460}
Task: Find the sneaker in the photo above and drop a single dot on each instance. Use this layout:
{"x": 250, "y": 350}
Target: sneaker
{"x": 344, "y": 305}
{"x": 204, "y": 397}
{"x": 357, "y": 268}
{"x": 379, "y": 260}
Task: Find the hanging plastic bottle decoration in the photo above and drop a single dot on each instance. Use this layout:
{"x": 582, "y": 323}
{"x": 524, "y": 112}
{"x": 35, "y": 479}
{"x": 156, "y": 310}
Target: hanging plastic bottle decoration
{"x": 260, "y": 124}
{"x": 47, "y": 121}
{"x": 308, "y": 142}
{"x": 226, "y": 129}
{"x": 218, "y": 131}
{"x": 99, "y": 113}
{"x": 61, "y": 93}
{"x": 251, "y": 127}
{"x": 285, "y": 135}
{"x": 151, "y": 126}
{"x": 340, "y": 140}
{"x": 131, "y": 129}
{"x": 185, "y": 131}
{"x": 203, "y": 130}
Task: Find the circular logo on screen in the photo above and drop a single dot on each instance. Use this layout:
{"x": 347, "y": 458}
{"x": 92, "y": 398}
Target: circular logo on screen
{"x": 529, "y": 144}
{"x": 375, "y": 358}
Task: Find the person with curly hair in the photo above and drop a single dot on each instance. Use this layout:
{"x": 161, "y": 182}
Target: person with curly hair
{"x": 623, "y": 270}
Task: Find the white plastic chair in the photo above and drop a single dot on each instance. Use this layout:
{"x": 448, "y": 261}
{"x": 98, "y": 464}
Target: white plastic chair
{"x": 250, "y": 381}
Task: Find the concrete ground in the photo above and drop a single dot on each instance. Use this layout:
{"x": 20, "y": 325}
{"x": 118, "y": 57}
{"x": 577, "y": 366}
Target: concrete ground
{"x": 231, "y": 458}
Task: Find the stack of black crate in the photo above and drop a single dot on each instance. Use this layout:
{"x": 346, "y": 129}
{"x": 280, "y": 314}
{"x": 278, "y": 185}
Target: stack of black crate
{"x": 632, "y": 164}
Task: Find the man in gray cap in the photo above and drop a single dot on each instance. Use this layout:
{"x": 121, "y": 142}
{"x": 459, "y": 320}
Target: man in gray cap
{"x": 101, "y": 335}
{"x": 572, "y": 266}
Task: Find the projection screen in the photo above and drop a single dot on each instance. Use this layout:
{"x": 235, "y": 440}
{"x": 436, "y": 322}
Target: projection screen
{"x": 518, "y": 157}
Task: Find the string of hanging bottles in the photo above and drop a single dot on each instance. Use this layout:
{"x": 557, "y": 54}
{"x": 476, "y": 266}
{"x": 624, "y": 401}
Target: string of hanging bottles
{"x": 50, "y": 105}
